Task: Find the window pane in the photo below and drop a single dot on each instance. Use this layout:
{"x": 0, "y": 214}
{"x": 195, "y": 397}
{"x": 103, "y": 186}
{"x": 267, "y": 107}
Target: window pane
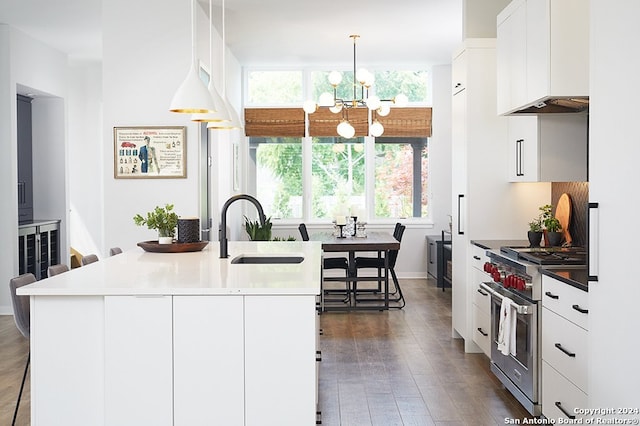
{"x": 396, "y": 193}
{"x": 337, "y": 170}
{"x": 412, "y": 83}
{"x": 275, "y": 87}
{"x": 320, "y": 84}
{"x": 279, "y": 176}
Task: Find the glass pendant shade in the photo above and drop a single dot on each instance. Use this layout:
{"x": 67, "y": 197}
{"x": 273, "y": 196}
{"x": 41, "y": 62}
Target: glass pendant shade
{"x": 384, "y": 110}
{"x": 326, "y": 99}
{"x": 373, "y": 102}
{"x": 335, "y": 78}
{"x": 346, "y": 130}
{"x": 376, "y": 129}
{"x": 401, "y": 100}
{"x": 309, "y": 107}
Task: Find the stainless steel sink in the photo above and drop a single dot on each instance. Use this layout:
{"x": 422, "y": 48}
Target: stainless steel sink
{"x": 267, "y": 259}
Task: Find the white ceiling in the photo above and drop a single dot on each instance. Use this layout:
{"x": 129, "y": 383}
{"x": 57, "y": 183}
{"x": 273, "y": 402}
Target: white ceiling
{"x": 415, "y": 33}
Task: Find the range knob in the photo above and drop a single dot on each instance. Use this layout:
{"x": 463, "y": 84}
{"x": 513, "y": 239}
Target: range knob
{"x": 488, "y": 267}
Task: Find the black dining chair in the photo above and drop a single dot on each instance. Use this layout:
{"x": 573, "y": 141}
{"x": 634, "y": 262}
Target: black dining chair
{"x": 21, "y": 317}
{"x": 330, "y": 263}
{"x": 378, "y": 263}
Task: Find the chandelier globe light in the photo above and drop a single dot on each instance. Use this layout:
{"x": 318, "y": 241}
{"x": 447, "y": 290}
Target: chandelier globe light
{"x": 192, "y": 95}
{"x": 364, "y": 80}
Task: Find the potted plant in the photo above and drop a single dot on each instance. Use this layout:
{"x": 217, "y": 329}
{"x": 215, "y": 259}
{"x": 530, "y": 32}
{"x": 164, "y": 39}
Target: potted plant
{"x": 552, "y": 227}
{"x": 535, "y": 232}
{"x": 256, "y": 231}
{"x": 162, "y": 219}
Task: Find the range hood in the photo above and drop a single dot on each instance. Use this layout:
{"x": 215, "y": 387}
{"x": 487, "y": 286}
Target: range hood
{"x": 556, "y": 105}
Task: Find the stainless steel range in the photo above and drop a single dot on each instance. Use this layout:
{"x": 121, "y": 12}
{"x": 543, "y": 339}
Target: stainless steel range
{"x": 516, "y": 275}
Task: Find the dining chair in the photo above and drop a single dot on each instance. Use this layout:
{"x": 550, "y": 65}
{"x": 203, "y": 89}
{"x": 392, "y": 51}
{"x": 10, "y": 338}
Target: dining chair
{"x": 114, "y": 250}
{"x": 21, "y": 314}
{"x": 89, "y": 258}
{"x": 56, "y": 269}
{"x": 331, "y": 263}
{"x": 378, "y": 263}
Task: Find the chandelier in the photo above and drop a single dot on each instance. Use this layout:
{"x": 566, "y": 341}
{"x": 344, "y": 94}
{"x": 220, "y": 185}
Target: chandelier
{"x": 362, "y": 81}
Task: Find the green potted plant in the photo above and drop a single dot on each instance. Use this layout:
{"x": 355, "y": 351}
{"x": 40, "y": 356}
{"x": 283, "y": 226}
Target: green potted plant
{"x": 535, "y": 232}
{"x": 162, "y": 219}
{"x": 256, "y": 231}
{"x": 552, "y": 227}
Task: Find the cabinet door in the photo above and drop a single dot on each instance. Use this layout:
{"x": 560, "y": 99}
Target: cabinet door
{"x": 432, "y": 256}
{"x": 482, "y": 329}
{"x": 208, "y": 353}
{"x": 523, "y": 149}
{"x": 560, "y": 397}
{"x": 138, "y": 361}
{"x": 280, "y": 360}
{"x": 511, "y": 57}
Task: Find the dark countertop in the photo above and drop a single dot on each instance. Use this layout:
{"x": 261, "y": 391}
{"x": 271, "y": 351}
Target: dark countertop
{"x": 496, "y": 244}
{"x": 575, "y": 277}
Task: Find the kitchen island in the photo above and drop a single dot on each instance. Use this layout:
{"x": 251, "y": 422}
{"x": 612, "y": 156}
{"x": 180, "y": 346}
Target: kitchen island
{"x": 178, "y": 339}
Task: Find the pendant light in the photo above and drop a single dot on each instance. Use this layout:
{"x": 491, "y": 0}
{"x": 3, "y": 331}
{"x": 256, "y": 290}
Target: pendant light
{"x": 234, "y": 122}
{"x": 221, "y": 114}
{"x": 192, "y": 96}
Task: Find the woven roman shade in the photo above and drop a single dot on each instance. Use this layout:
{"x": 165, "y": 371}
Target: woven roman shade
{"x": 408, "y": 122}
{"x": 289, "y": 122}
{"x": 324, "y": 123}
{"x": 274, "y": 122}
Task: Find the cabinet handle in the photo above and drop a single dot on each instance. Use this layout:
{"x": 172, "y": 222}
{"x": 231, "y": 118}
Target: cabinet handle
{"x": 482, "y": 292}
{"x": 482, "y": 332}
{"x": 318, "y": 356}
{"x": 559, "y": 405}
{"x": 460, "y": 197}
{"x": 579, "y": 309}
{"x": 457, "y": 85}
{"x": 569, "y": 354}
{"x": 519, "y": 143}
{"x": 551, "y": 295}
{"x": 593, "y": 239}
{"x": 476, "y": 257}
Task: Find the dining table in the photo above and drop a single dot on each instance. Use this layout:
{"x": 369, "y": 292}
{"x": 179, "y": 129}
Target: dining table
{"x": 380, "y": 243}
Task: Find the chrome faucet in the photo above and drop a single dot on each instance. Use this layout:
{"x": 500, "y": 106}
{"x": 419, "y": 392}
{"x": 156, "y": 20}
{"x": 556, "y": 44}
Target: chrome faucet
{"x": 222, "y": 232}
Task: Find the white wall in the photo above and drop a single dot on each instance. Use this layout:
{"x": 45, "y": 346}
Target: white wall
{"x": 30, "y": 64}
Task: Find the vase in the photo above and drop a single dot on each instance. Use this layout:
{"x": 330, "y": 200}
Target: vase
{"x": 164, "y": 237}
{"x": 553, "y": 239}
{"x": 189, "y": 230}
{"x": 534, "y": 238}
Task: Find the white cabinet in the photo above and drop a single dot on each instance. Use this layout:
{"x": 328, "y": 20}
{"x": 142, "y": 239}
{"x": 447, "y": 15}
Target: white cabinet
{"x": 547, "y": 148}
{"x": 564, "y": 348}
{"x": 208, "y": 336}
{"x": 480, "y": 190}
{"x": 542, "y": 54}
{"x": 481, "y": 326}
{"x": 138, "y": 361}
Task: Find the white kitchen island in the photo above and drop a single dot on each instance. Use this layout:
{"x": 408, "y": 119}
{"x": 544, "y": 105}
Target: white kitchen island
{"x": 178, "y": 339}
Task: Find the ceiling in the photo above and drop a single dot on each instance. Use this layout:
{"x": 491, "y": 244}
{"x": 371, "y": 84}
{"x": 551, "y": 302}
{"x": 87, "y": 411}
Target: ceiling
{"x": 412, "y": 33}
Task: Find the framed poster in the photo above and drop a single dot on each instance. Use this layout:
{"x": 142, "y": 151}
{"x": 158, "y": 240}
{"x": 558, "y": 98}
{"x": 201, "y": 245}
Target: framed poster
{"x": 150, "y": 152}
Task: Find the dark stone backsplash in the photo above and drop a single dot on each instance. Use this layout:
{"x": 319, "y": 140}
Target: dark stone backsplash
{"x": 579, "y": 194}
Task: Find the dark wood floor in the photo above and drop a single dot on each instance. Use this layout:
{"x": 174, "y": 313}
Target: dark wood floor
{"x": 402, "y": 367}
{"x": 378, "y": 368}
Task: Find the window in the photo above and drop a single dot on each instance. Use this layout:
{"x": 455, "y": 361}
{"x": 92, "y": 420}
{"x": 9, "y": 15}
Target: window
{"x": 337, "y": 175}
{"x": 278, "y": 175}
{"x": 400, "y": 177}
{"x": 274, "y": 88}
{"x": 316, "y": 178}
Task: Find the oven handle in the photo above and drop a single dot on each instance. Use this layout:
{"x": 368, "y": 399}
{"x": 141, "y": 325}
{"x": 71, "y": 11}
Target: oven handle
{"x": 521, "y": 309}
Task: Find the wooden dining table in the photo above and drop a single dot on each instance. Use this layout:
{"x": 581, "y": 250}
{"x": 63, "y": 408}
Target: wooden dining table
{"x": 378, "y": 242}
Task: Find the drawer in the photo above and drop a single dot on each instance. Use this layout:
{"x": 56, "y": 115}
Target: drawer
{"x": 558, "y": 336}
{"x": 478, "y": 257}
{"x": 481, "y": 297}
{"x": 558, "y": 392}
{"x": 482, "y": 329}
{"x": 566, "y": 301}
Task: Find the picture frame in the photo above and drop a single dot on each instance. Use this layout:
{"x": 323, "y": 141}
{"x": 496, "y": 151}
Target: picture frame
{"x": 149, "y": 152}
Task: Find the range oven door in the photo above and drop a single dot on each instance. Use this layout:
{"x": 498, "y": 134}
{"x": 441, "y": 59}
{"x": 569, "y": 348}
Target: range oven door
{"x": 521, "y": 369}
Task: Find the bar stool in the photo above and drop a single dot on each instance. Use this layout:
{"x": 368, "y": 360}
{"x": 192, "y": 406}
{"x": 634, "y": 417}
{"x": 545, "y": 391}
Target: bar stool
{"x": 89, "y": 258}
{"x": 56, "y": 269}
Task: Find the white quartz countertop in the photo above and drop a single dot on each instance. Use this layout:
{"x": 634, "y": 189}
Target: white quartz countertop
{"x": 136, "y": 272}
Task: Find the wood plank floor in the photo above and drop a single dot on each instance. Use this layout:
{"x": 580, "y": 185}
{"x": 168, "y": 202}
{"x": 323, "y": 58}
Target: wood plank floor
{"x": 378, "y": 368}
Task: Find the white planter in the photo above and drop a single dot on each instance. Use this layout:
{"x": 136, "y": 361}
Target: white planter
{"x": 165, "y": 240}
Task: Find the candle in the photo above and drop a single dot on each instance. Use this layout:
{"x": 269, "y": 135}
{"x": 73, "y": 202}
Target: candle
{"x": 341, "y": 220}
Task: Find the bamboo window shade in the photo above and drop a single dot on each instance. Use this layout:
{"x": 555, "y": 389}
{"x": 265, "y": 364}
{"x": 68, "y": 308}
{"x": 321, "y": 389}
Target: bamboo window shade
{"x": 274, "y": 122}
{"x": 401, "y": 122}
